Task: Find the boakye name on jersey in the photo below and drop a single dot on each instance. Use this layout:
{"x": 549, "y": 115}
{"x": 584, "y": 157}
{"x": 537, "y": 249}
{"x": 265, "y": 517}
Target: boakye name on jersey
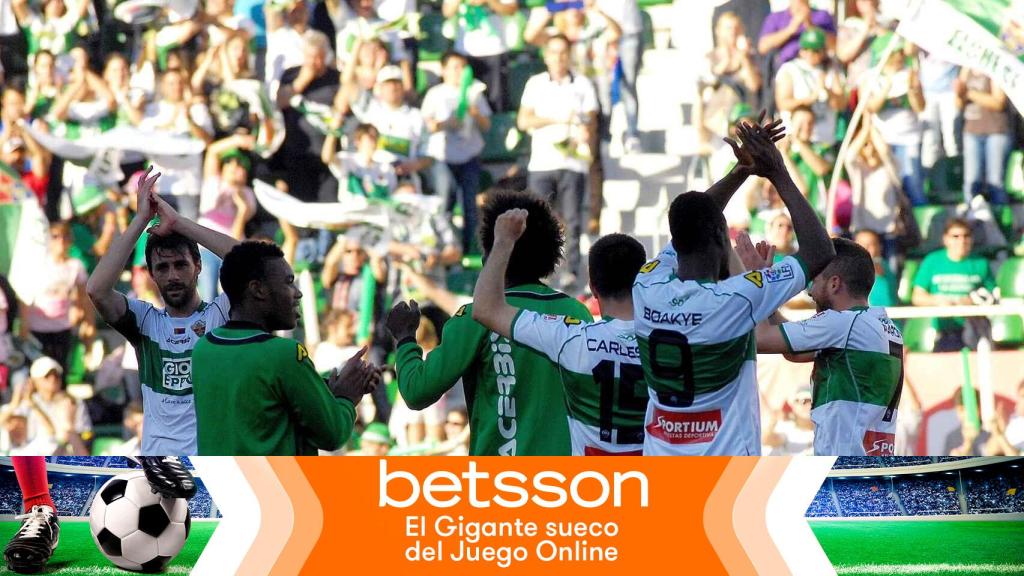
{"x": 163, "y": 345}
{"x": 599, "y": 364}
{"x": 857, "y": 379}
{"x": 697, "y": 349}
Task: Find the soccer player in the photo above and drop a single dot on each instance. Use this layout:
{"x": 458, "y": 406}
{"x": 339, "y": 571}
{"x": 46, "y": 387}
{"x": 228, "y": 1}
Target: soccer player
{"x": 163, "y": 338}
{"x": 258, "y": 394}
{"x": 857, "y": 353}
{"x": 606, "y": 396}
{"x": 516, "y": 402}
{"x": 695, "y": 325}
{"x": 31, "y": 547}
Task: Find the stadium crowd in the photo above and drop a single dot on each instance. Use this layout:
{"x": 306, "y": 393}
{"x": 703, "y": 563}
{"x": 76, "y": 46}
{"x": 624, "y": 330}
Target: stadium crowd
{"x": 368, "y": 104}
{"x": 993, "y": 489}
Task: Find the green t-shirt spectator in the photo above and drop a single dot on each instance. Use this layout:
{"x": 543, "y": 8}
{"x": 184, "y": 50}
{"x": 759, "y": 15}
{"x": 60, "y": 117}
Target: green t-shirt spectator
{"x": 939, "y": 275}
{"x": 815, "y": 189}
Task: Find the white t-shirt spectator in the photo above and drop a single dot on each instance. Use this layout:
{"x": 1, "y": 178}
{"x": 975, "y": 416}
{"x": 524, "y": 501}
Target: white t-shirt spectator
{"x": 284, "y": 50}
{"x": 403, "y": 134}
{"x": 217, "y": 205}
{"x": 367, "y": 28}
{"x": 375, "y": 179}
{"x": 57, "y": 412}
{"x": 184, "y": 177}
{"x": 573, "y": 96}
{"x": 464, "y": 143}
{"x": 896, "y": 121}
{"x": 806, "y": 80}
{"x": 486, "y": 39}
{"x": 49, "y": 310}
{"x": 329, "y": 356}
{"x": 402, "y": 417}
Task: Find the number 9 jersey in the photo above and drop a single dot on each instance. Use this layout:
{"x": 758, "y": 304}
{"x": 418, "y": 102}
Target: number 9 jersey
{"x": 698, "y": 353}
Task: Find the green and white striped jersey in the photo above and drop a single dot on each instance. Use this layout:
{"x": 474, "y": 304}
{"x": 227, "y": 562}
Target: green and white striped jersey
{"x": 857, "y": 379}
{"x": 599, "y": 364}
{"x": 163, "y": 345}
{"x": 698, "y": 354}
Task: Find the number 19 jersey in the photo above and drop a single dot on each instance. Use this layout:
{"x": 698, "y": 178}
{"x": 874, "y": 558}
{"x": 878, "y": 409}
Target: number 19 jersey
{"x": 599, "y": 364}
{"x": 698, "y": 353}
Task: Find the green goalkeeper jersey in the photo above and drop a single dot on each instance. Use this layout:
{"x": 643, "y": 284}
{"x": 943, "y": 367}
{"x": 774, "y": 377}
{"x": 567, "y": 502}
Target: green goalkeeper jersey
{"x": 514, "y": 394}
{"x": 259, "y": 395}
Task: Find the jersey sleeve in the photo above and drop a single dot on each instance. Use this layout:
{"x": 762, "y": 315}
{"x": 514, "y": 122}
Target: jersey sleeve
{"x": 545, "y": 333}
{"x": 828, "y": 329}
{"x": 423, "y": 381}
{"x": 325, "y": 421}
{"x": 769, "y": 288}
{"x": 130, "y": 325}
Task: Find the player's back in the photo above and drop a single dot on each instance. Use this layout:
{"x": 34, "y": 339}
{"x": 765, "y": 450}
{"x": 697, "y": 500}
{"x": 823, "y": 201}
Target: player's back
{"x": 599, "y": 365}
{"x": 517, "y": 406}
{"x": 698, "y": 354}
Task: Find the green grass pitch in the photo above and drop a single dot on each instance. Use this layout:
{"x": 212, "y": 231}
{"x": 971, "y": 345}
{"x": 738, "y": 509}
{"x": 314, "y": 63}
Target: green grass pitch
{"x": 78, "y": 555}
{"x": 927, "y": 547}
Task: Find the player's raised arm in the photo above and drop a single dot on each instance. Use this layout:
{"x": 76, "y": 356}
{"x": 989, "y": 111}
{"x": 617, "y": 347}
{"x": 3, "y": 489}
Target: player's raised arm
{"x": 171, "y": 221}
{"x": 723, "y": 190}
{"x": 489, "y": 305}
{"x": 110, "y": 303}
{"x": 816, "y": 249}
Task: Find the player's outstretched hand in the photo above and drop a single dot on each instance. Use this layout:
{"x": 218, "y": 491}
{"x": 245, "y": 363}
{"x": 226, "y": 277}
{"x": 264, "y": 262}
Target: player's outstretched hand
{"x": 145, "y": 207}
{"x": 404, "y": 320}
{"x": 745, "y": 161}
{"x": 754, "y": 257}
{"x": 510, "y": 226}
{"x": 168, "y": 215}
{"x": 357, "y": 377}
{"x": 758, "y": 142}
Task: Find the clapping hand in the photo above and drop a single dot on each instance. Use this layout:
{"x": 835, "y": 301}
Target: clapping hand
{"x": 356, "y": 378}
{"x": 754, "y": 257}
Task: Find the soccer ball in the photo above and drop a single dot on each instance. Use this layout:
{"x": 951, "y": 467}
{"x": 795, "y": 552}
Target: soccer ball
{"x": 135, "y": 528}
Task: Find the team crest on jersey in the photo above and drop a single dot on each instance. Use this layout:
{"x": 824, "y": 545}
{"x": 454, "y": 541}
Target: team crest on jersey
{"x": 570, "y": 321}
{"x": 300, "y": 353}
{"x": 461, "y": 311}
{"x": 779, "y": 273}
{"x": 649, "y": 266}
{"x": 199, "y": 327}
{"x": 755, "y": 277}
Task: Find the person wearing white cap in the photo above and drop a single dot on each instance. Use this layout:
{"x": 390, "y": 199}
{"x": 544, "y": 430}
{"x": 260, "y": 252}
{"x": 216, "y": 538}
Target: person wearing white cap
{"x": 403, "y": 132}
{"x": 55, "y": 414}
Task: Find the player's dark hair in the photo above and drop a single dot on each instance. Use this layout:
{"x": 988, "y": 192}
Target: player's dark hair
{"x": 615, "y": 260}
{"x": 173, "y": 243}
{"x": 854, "y": 265}
{"x": 695, "y": 222}
{"x": 244, "y": 263}
{"x": 539, "y": 249}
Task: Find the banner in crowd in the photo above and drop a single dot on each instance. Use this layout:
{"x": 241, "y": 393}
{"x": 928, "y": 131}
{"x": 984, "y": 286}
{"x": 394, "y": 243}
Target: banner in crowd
{"x": 167, "y": 149}
{"x": 985, "y": 35}
{"x": 23, "y": 232}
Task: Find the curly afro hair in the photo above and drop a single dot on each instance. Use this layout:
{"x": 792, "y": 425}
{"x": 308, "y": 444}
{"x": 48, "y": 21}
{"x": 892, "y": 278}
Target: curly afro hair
{"x": 539, "y": 249}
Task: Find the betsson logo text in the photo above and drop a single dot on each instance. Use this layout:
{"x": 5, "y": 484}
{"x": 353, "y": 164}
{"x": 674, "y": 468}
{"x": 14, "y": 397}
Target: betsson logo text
{"x": 547, "y": 489}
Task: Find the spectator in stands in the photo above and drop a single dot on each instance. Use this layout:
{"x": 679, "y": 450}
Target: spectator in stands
{"x": 86, "y": 103}
{"x": 456, "y": 431}
{"x": 339, "y": 343}
{"x": 779, "y": 233}
{"x": 782, "y": 31}
{"x": 791, "y": 432}
{"x": 345, "y": 281}
{"x": 457, "y": 116}
{"x": 896, "y": 98}
{"x": 480, "y": 35}
{"x": 987, "y": 138}
{"x": 358, "y": 80}
{"x": 31, "y": 161}
{"x": 132, "y": 421}
{"x": 222, "y": 62}
{"x": 811, "y": 81}
{"x": 287, "y": 22}
{"x": 226, "y": 202}
{"x": 307, "y": 89}
{"x": 1015, "y": 427}
{"x": 58, "y": 307}
{"x": 874, "y": 181}
{"x": 375, "y": 441}
{"x": 403, "y": 133}
{"x": 731, "y": 78}
{"x": 812, "y": 159}
{"x": 44, "y": 84}
{"x": 180, "y": 113}
{"x": 941, "y": 117}
{"x": 559, "y": 109}
{"x": 56, "y": 411}
{"x": 51, "y": 28}
{"x": 365, "y": 25}
{"x": 967, "y": 439}
{"x": 329, "y": 17}
{"x": 626, "y": 14}
{"x": 883, "y": 292}
{"x": 853, "y": 40}
{"x": 117, "y": 75}
{"x": 363, "y": 174}
{"x": 13, "y": 109}
{"x": 949, "y": 276}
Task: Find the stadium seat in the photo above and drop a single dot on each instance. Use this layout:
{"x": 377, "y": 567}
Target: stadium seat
{"x": 919, "y": 335}
{"x": 906, "y": 287}
{"x": 504, "y": 142}
{"x": 521, "y": 67}
{"x": 1015, "y": 176}
{"x": 931, "y": 219}
{"x": 433, "y": 43}
{"x": 945, "y": 183}
{"x": 1007, "y": 331}
{"x": 1010, "y": 278}
{"x": 648, "y": 29}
